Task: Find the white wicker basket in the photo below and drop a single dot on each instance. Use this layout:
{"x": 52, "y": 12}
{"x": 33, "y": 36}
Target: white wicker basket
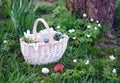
{"x": 46, "y": 52}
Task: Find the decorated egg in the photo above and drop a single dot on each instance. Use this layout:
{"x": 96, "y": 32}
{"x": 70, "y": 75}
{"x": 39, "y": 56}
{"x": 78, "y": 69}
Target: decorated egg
{"x": 59, "y": 68}
{"x": 57, "y": 36}
{"x": 46, "y": 40}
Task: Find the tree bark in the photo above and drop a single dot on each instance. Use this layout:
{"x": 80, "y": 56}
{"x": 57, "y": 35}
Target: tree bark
{"x": 102, "y": 10}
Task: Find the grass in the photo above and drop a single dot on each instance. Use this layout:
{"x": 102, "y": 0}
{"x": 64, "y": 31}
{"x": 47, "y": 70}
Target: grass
{"x": 14, "y": 69}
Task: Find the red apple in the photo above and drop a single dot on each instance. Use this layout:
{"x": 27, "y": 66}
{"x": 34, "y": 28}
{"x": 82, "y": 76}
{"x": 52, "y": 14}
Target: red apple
{"x": 58, "y": 68}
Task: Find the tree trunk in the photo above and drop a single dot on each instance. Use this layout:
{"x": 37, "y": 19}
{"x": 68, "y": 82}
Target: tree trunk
{"x": 102, "y": 10}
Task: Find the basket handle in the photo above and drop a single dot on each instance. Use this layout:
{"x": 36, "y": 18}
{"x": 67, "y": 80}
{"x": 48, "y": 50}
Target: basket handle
{"x": 46, "y": 25}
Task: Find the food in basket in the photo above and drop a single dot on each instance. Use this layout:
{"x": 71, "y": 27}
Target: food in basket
{"x": 57, "y": 36}
{"x": 42, "y": 36}
{"x": 46, "y": 40}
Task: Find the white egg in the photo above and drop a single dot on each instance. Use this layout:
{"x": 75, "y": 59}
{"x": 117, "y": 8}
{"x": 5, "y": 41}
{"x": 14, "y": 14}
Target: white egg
{"x": 45, "y": 70}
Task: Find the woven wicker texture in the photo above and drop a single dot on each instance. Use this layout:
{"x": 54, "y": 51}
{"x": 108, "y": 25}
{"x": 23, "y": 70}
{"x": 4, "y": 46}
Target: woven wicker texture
{"x": 43, "y": 53}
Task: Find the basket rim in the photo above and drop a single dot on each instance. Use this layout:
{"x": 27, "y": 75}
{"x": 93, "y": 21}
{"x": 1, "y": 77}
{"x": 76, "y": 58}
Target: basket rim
{"x": 56, "y": 42}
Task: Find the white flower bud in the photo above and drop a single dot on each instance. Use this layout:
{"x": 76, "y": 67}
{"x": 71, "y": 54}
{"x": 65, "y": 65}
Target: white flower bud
{"x": 87, "y": 62}
{"x": 74, "y": 60}
{"x": 97, "y": 21}
{"x": 99, "y": 25}
{"x": 114, "y": 70}
{"x": 95, "y": 28}
{"x": 5, "y": 41}
{"x": 88, "y": 36}
{"x": 84, "y": 15}
{"x": 88, "y": 26}
{"x": 74, "y": 38}
{"x": 112, "y": 57}
{"x": 58, "y": 27}
{"x": 91, "y": 19}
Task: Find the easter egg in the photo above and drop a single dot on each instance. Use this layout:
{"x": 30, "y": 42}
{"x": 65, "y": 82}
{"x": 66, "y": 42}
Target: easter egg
{"x": 58, "y": 68}
{"x": 45, "y": 70}
{"x": 46, "y": 40}
{"x": 57, "y": 36}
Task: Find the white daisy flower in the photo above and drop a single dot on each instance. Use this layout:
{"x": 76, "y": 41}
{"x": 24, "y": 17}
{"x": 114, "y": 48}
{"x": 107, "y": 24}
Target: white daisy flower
{"x": 114, "y": 70}
{"x": 74, "y": 38}
{"x": 74, "y": 60}
{"x": 99, "y": 25}
{"x": 95, "y": 28}
{"x": 87, "y": 62}
{"x": 45, "y": 70}
{"x": 27, "y": 35}
{"x": 5, "y": 41}
{"x": 97, "y": 21}
{"x": 91, "y": 19}
{"x": 58, "y": 27}
{"x": 89, "y": 26}
{"x": 84, "y": 15}
{"x": 73, "y": 30}
{"x": 70, "y": 31}
{"x": 112, "y": 57}
{"x": 88, "y": 36}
